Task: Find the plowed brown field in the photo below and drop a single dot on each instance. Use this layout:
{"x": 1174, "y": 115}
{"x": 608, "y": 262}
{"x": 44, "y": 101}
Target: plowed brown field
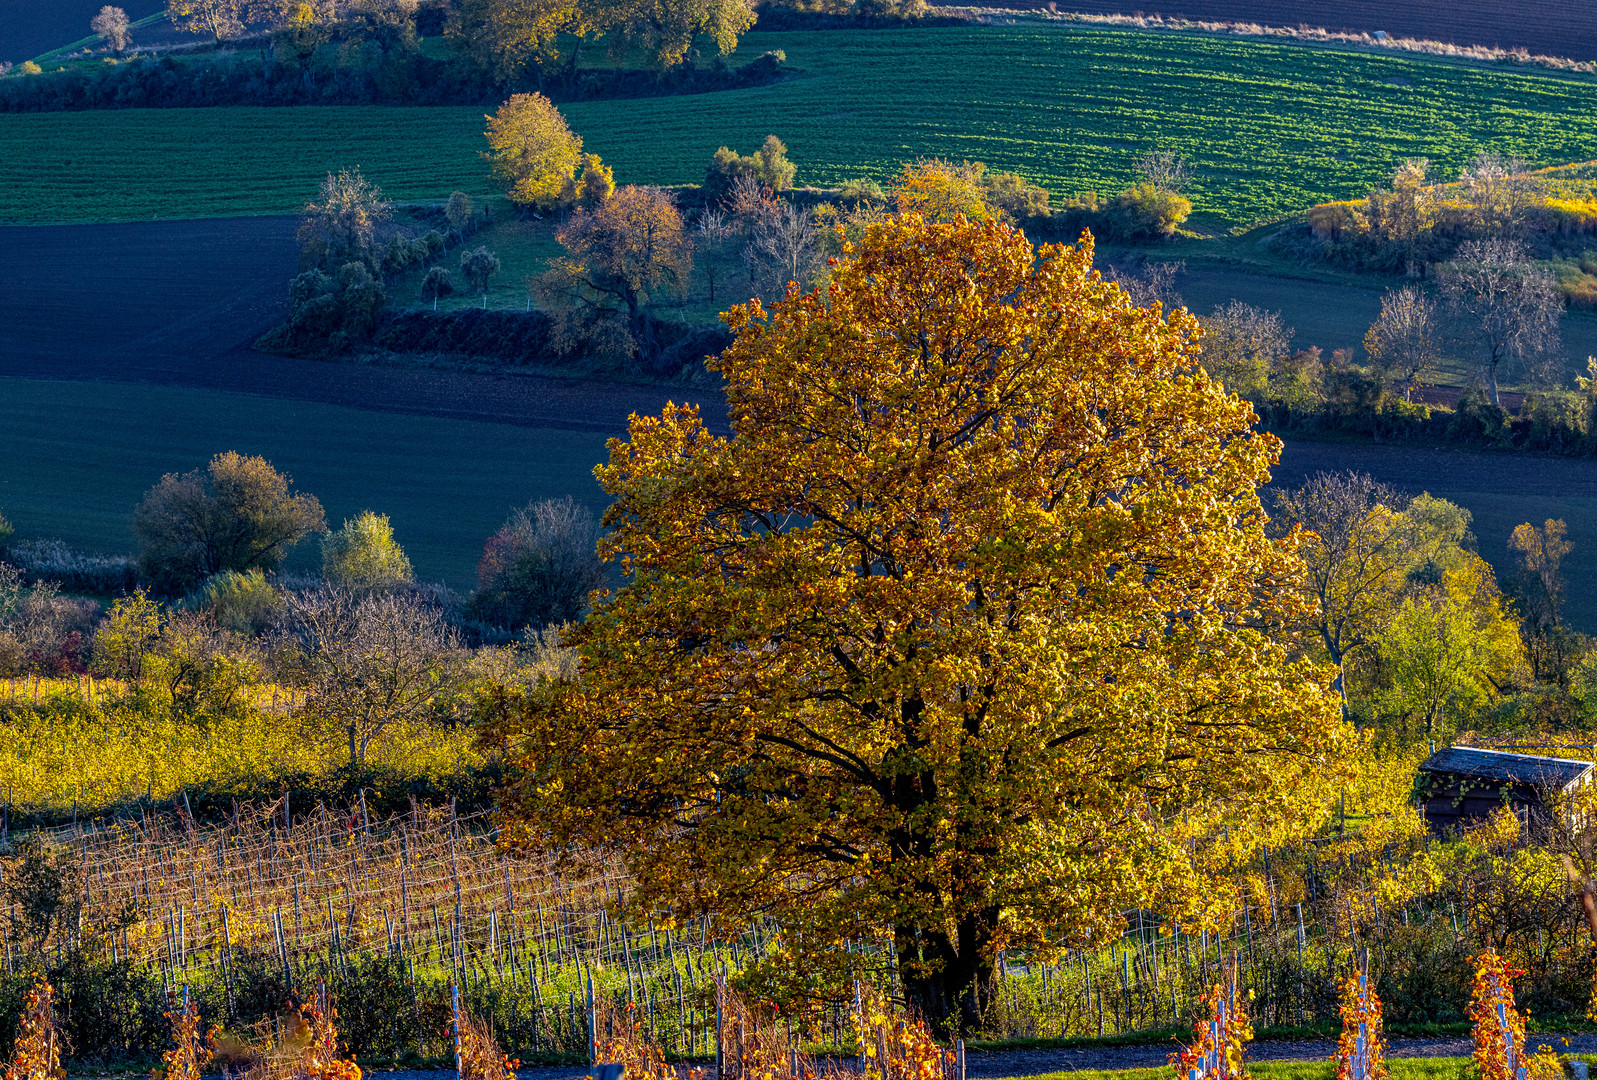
{"x": 1547, "y": 27}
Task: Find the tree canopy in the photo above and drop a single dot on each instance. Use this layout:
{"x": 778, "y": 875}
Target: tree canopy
{"x": 236, "y": 514}
{"x": 532, "y": 149}
{"x": 968, "y": 637}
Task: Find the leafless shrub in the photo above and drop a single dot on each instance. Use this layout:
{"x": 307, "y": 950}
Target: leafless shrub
{"x": 369, "y": 661}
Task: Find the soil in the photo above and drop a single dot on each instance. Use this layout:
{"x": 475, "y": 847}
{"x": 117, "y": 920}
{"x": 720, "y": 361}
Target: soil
{"x": 179, "y": 303}
{"x": 1544, "y": 27}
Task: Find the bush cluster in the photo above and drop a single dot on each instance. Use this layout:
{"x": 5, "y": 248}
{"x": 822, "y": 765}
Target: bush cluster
{"x": 526, "y": 339}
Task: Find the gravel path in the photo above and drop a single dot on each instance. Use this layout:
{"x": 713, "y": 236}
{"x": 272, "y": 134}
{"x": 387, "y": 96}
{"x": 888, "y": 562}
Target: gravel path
{"x": 1009, "y": 1063}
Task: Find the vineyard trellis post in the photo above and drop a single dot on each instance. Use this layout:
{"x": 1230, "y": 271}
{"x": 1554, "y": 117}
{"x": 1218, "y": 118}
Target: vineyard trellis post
{"x": 454, "y": 1004}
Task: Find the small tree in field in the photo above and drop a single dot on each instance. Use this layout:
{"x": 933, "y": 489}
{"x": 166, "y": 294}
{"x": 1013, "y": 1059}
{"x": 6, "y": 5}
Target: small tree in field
{"x": 532, "y": 150}
{"x": 598, "y": 182}
{"x": 112, "y": 25}
{"x": 623, "y": 257}
{"x": 343, "y": 222}
{"x": 437, "y": 283}
{"x": 477, "y": 266}
{"x": 1402, "y": 342}
{"x": 1166, "y": 170}
{"x": 458, "y": 212}
{"x": 1508, "y": 305}
{"x": 236, "y": 514}
{"x": 540, "y": 567}
{"x": 371, "y": 660}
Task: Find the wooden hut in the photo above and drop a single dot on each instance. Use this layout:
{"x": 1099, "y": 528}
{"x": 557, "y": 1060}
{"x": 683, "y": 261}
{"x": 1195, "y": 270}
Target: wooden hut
{"x": 1464, "y": 784}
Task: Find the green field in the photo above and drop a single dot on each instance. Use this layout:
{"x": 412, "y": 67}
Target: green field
{"x": 79, "y": 455}
{"x": 1271, "y": 127}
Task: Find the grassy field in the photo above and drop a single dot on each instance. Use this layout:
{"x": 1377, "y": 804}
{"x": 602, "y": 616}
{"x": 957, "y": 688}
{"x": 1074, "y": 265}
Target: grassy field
{"x": 1271, "y": 127}
{"x": 78, "y": 456}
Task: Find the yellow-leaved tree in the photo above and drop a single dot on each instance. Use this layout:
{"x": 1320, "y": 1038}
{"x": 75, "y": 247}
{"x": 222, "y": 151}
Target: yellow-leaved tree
{"x": 969, "y": 637}
{"x": 532, "y": 150}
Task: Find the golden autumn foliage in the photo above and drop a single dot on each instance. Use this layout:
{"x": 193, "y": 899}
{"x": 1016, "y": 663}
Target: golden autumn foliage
{"x": 970, "y": 633}
{"x": 532, "y": 149}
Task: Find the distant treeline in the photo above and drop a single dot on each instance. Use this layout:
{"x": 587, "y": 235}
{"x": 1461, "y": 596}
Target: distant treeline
{"x": 259, "y": 78}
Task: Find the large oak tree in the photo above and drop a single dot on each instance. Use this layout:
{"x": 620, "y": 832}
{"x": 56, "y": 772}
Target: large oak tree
{"x": 970, "y": 637}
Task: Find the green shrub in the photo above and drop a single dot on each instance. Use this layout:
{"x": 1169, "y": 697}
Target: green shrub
{"x": 1014, "y": 197}
{"x": 243, "y": 603}
{"x": 363, "y": 556}
{"x": 769, "y": 166}
{"x": 1146, "y": 213}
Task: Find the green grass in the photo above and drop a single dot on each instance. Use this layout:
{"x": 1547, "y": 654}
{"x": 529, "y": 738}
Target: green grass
{"x": 1431, "y": 1068}
{"x": 1271, "y": 127}
{"x": 79, "y": 455}
{"x": 524, "y": 249}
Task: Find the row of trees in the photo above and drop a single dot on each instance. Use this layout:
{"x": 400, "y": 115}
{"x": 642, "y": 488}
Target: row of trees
{"x": 1491, "y": 300}
{"x": 504, "y": 41}
{"x": 1417, "y": 221}
{"x": 1424, "y": 638}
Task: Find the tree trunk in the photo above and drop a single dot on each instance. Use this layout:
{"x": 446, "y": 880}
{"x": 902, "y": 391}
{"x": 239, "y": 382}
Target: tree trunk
{"x": 1491, "y": 383}
{"x": 951, "y": 983}
{"x": 354, "y": 752}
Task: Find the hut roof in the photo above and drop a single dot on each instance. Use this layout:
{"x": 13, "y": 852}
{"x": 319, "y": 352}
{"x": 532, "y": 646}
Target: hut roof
{"x": 1559, "y": 773}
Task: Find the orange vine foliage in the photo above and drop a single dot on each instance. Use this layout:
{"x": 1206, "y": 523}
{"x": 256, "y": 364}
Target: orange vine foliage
{"x": 37, "y": 1052}
{"x": 189, "y": 1055}
{"x": 1222, "y": 1032}
{"x": 1361, "y": 1052}
{"x": 901, "y": 1047}
{"x": 754, "y": 1046}
{"x": 481, "y": 1056}
{"x": 1499, "y": 1029}
{"x": 308, "y": 1050}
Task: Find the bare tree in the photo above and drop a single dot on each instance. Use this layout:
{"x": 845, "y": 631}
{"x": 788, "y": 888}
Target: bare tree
{"x": 1165, "y": 170}
{"x": 112, "y": 25}
{"x": 1501, "y": 193}
{"x": 1357, "y": 558}
{"x": 713, "y": 233}
{"x": 1150, "y": 283}
{"x": 783, "y": 249}
{"x": 1509, "y": 307}
{"x": 370, "y": 661}
{"x": 1402, "y": 342}
{"x": 1242, "y": 344}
